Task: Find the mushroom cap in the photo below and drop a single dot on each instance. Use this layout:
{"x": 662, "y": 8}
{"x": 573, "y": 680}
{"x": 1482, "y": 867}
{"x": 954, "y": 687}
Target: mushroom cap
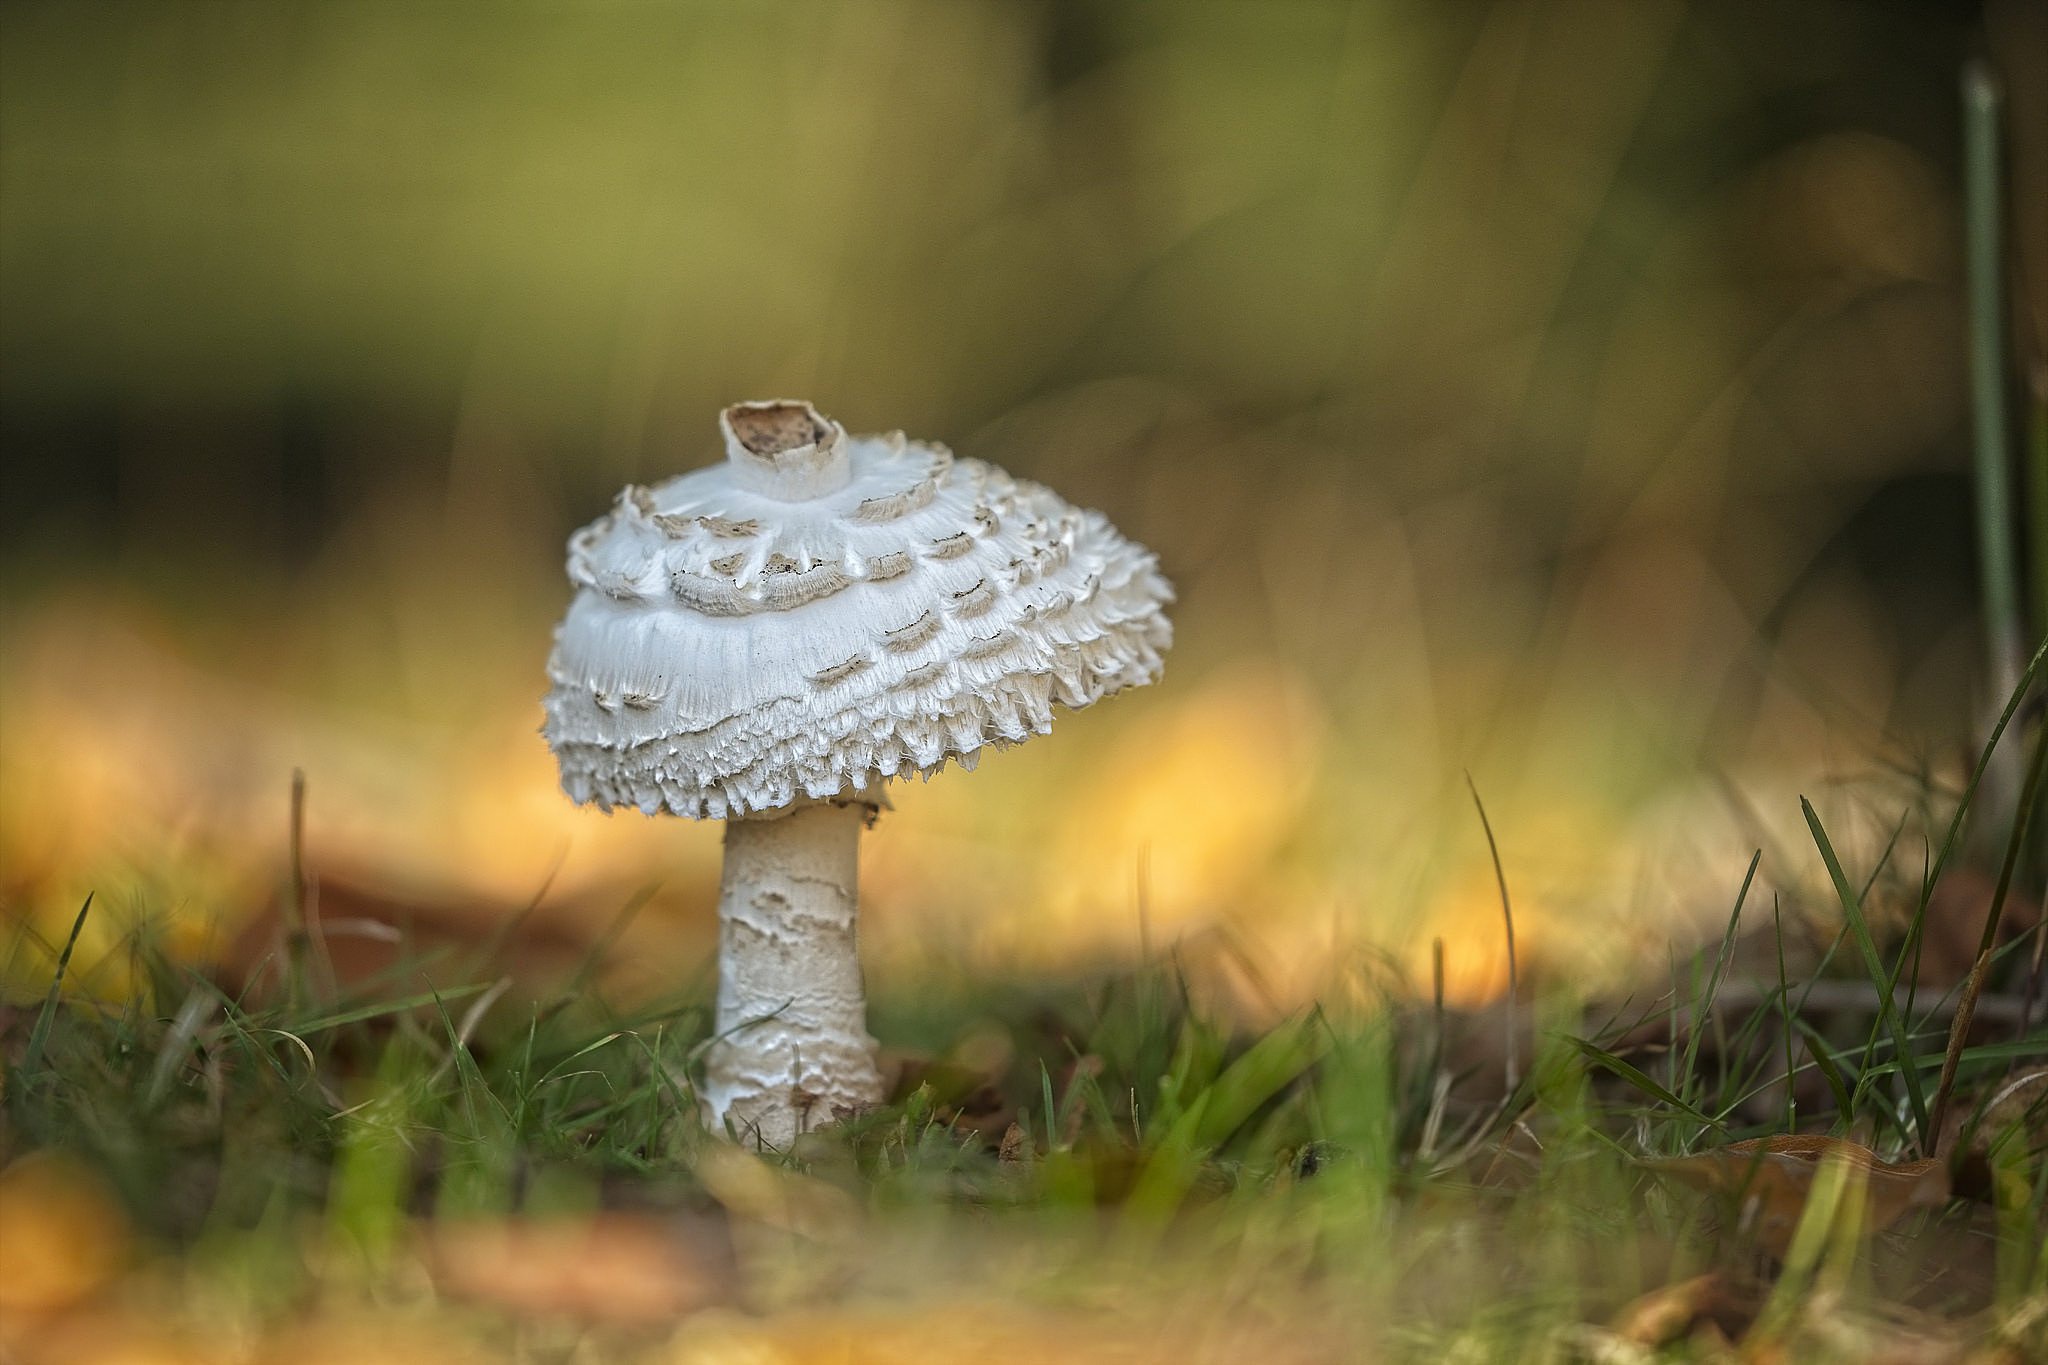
{"x": 821, "y": 613}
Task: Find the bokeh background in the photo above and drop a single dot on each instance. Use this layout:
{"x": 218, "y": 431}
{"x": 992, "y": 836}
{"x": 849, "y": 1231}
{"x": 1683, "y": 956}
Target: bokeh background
{"x": 1568, "y": 394}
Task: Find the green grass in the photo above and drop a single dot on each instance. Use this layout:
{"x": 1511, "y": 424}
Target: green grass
{"x": 1126, "y": 1154}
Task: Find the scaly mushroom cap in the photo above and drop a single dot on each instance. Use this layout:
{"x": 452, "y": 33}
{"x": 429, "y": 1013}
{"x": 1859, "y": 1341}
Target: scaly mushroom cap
{"x": 821, "y": 613}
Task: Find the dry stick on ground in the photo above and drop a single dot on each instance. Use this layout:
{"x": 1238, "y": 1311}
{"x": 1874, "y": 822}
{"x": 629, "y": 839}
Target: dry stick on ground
{"x": 1859, "y": 997}
{"x": 1507, "y": 913}
{"x": 1966, "y": 1008}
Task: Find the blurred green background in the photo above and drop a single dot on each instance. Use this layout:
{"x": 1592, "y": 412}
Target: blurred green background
{"x": 1569, "y": 393}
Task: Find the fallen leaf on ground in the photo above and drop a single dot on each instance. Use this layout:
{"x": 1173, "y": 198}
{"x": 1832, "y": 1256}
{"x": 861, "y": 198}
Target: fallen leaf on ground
{"x": 757, "y": 1191}
{"x": 99, "y": 1338}
{"x": 2013, "y": 1120}
{"x": 65, "y": 1238}
{"x": 1829, "y": 1328}
{"x": 329, "y": 1341}
{"x": 2020, "y": 1103}
{"x": 614, "y": 1267}
{"x": 1772, "y": 1178}
{"x": 1667, "y": 1313}
{"x": 986, "y": 1333}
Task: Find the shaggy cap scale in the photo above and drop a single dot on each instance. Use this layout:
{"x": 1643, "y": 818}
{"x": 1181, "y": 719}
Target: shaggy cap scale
{"x": 822, "y": 613}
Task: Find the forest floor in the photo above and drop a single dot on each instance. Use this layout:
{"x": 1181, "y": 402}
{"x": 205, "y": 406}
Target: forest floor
{"x": 435, "y": 1162}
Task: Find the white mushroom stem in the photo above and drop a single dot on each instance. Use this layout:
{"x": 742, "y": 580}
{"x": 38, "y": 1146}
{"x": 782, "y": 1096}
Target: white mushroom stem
{"x": 792, "y": 1049}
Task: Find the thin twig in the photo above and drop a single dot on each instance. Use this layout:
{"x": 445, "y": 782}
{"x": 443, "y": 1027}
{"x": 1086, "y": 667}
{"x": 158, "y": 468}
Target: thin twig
{"x": 1853, "y": 997}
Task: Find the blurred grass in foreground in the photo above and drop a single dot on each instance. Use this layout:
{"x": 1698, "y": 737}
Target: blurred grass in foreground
{"x": 422, "y": 1168}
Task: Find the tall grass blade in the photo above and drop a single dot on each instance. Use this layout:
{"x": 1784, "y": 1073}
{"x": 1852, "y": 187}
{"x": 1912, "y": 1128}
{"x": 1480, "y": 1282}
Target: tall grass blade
{"x": 1823, "y": 1054}
{"x": 1266, "y": 1068}
{"x": 1511, "y": 1070}
{"x": 1888, "y": 1012}
{"x": 594, "y": 957}
{"x": 39, "y": 1036}
{"x": 1705, "y": 1011}
{"x": 381, "y": 1008}
{"x": 2037, "y": 492}
{"x": 1052, "y": 1136}
{"x": 1966, "y": 1009}
{"x": 1785, "y": 1019}
{"x": 1983, "y": 209}
{"x": 1953, "y": 838}
{"x": 1642, "y": 1081}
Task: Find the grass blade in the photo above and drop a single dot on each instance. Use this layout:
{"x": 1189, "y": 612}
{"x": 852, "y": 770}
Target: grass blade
{"x": 1953, "y": 838}
{"x": 1641, "y": 1080}
{"x": 1511, "y": 1071}
{"x": 1267, "y": 1067}
{"x": 384, "y": 1007}
{"x": 1052, "y": 1136}
{"x": 39, "y": 1036}
{"x": 1959, "y": 1029}
{"x": 1887, "y": 1008}
{"x": 1785, "y": 1013}
{"x": 1998, "y": 560}
{"x": 1706, "y": 1010}
{"x": 1823, "y": 1054}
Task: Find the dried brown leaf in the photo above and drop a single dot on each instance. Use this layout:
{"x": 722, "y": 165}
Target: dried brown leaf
{"x": 1667, "y": 1313}
{"x": 1772, "y": 1177}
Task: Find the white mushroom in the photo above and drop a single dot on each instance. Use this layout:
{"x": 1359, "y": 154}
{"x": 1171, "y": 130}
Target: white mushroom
{"x": 769, "y": 640}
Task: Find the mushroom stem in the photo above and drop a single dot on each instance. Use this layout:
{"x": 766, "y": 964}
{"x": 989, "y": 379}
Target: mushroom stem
{"x": 792, "y": 1048}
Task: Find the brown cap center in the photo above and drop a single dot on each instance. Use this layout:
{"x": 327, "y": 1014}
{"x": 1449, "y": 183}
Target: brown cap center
{"x": 785, "y": 450}
{"x": 771, "y": 428}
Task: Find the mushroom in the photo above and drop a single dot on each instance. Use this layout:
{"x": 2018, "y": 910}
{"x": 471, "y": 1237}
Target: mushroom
{"x": 770, "y": 640}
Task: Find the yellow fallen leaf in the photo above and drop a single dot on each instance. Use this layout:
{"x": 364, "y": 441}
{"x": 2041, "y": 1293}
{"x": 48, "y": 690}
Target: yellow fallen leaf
{"x": 757, "y": 1191}
{"x": 1667, "y": 1312}
{"x": 914, "y": 1333}
{"x": 331, "y": 1341}
{"x": 65, "y": 1237}
{"x": 99, "y": 1338}
{"x": 613, "y": 1267}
